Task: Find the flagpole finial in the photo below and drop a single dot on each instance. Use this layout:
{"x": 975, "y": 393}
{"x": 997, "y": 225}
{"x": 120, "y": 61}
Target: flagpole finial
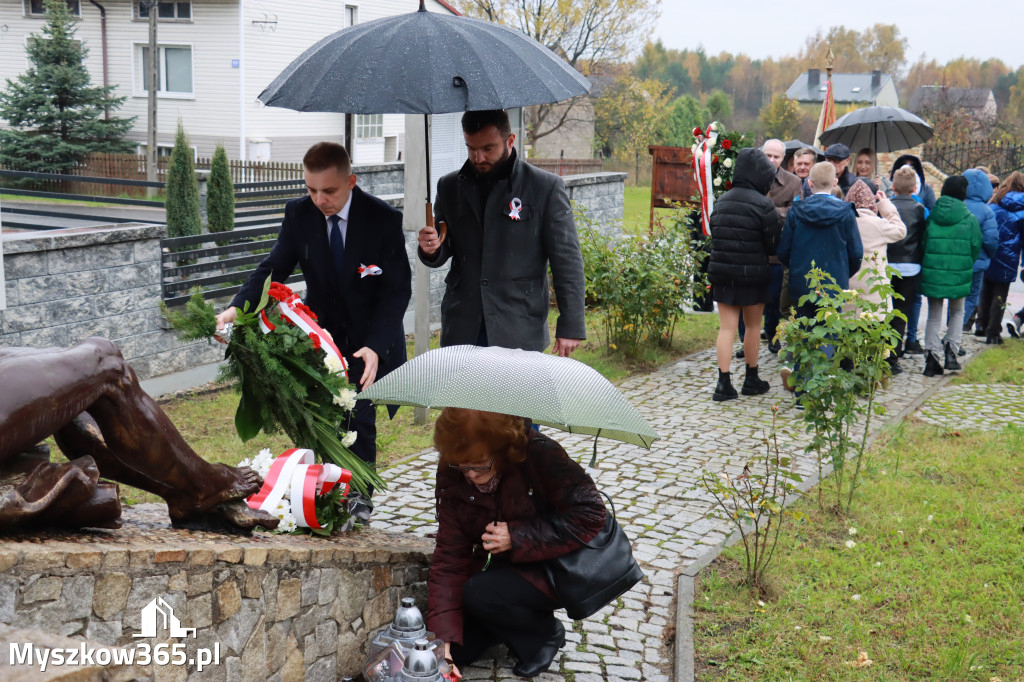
{"x": 829, "y": 58}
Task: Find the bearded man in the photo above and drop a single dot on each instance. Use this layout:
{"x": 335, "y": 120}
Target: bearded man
{"x": 501, "y": 222}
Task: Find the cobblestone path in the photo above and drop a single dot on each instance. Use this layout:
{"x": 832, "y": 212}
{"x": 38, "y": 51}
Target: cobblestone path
{"x": 655, "y": 500}
{"x": 975, "y": 406}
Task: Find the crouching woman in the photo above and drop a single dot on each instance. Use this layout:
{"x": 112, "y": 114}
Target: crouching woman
{"x": 508, "y": 498}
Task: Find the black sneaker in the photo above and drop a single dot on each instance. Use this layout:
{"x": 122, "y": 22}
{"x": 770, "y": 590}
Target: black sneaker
{"x": 1014, "y": 326}
{"x": 913, "y": 348}
{"x": 360, "y": 507}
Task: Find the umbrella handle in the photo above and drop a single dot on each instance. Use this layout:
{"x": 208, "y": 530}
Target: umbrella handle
{"x": 442, "y": 227}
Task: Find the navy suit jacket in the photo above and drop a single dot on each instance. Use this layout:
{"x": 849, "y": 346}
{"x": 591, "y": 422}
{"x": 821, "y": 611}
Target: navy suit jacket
{"x": 357, "y": 311}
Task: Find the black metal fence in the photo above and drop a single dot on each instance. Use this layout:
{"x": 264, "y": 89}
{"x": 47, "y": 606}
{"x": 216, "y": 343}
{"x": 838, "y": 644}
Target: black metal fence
{"x": 220, "y": 263}
{"x": 1001, "y": 159}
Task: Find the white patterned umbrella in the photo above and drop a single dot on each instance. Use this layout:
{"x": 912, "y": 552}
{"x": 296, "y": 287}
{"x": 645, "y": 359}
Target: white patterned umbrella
{"x": 550, "y": 390}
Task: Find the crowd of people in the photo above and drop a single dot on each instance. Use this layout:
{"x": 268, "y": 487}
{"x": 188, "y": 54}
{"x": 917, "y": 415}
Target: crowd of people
{"x": 788, "y": 213}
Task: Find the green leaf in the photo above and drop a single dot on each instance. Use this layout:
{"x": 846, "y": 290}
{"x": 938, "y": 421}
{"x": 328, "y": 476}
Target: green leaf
{"x": 265, "y": 297}
{"x": 248, "y": 416}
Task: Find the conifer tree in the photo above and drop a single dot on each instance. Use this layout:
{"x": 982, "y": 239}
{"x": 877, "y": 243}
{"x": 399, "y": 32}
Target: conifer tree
{"x": 183, "y": 215}
{"x": 220, "y": 196}
{"x": 55, "y": 114}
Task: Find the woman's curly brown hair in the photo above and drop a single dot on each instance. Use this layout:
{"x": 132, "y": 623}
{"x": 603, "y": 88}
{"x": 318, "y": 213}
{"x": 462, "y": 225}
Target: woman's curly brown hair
{"x": 458, "y": 432}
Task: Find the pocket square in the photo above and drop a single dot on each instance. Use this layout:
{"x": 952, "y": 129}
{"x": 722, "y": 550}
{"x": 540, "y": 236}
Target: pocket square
{"x": 369, "y": 270}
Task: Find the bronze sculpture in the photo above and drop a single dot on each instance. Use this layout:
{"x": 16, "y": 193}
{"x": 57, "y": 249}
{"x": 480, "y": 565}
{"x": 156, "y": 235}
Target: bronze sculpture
{"x": 89, "y": 399}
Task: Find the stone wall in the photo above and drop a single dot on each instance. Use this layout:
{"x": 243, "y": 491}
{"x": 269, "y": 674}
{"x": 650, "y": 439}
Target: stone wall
{"x": 66, "y": 285}
{"x": 280, "y": 608}
{"x": 384, "y": 180}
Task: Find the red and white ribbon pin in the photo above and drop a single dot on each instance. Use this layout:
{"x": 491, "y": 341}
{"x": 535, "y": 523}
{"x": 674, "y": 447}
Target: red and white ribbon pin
{"x": 515, "y": 206}
{"x": 368, "y": 270}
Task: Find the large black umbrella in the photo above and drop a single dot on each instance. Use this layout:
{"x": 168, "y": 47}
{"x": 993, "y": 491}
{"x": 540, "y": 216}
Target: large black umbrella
{"x": 882, "y": 129}
{"x": 424, "y": 63}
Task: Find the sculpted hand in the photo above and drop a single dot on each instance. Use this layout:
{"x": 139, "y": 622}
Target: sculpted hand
{"x": 565, "y": 347}
{"x": 428, "y": 240}
{"x": 369, "y": 359}
{"x": 496, "y": 538}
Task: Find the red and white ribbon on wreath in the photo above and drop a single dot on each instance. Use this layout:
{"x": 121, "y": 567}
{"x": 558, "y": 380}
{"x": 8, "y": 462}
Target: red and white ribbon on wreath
{"x": 702, "y": 173}
{"x": 295, "y": 475}
{"x": 288, "y": 309}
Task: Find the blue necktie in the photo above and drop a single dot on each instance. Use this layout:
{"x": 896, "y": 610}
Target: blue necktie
{"x": 337, "y": 245}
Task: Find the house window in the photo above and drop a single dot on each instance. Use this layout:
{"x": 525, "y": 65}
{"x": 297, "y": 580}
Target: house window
{"x": 164, "y": 151}
{"x": 369, "y": 126}
{"x": 174, "y": 69}
{"x": 37, "y": 8}
{"x": 351, "y": 15}
{"x": 166, "y": 11}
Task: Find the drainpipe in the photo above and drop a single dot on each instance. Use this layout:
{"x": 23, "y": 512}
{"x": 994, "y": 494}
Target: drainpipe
{"x": 103, "y": 43}
{"x": 241, "y": 80}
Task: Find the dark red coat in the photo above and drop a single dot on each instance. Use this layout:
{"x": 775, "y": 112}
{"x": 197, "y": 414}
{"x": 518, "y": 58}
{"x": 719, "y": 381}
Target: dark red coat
{"x": 463, "y": 512}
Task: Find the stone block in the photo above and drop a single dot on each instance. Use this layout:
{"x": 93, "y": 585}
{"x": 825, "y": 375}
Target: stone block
{"x": 77, "y": 596}
{"x": 289, "y": 598}
{"x": 8, "y": 598}
{"x": 308, "y": 651}
{"x": 107, "y": 633}
{"x": 147, "y": 250}
{"x": 144, "y": 590}
{"x": 8, "y": 560}
{"x": 200, "y": 557}
{"x": 352, "y": 652}
{"x": 299, "y": 555}
{"x": 252, "y": 587}
{"x": 199, "y": 583}
{"x": 352, "y": 594}
{"x": 199, "y": 611}
{"x": 330, "y": 580}
{"x": 84, "y": 559}
{"x": 71, "y": 628}
{"x": 93, "y": 257}
{"x": 294, "y": 670}
{"x": 277, "y": 640}
{"x": 327, "y": 638}
{"x": 42, "y": 560}
{"x": 22, "y": 265}
{"x": 380, "y": 610}
{"x": 45, "y": 588}
{"x": 310, "y": 586}
{"x": 279, "y": 556}
{"x": 59, "y": 336}
{"x": 166, "y": 556}
{"x": 254, "y": 656}
{"x": 324, "y": 670}
{"x": 132, "y": 276}
{"x": 115, "y": 558}
{"x": 178, "y": 582}
{"x": 255, "y": 556}
{"x": 32, "y": 290}
{"x": 140, "y": 558}
{"x": 269, "y": 586}
{"x": 230, "y": 556}
{"x": 306, "y": 622}
{"x": 234, "y": 633}
{"x": 228, "y": 601}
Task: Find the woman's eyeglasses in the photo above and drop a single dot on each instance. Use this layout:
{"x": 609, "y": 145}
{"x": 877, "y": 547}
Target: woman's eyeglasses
{"x": 489, "y": 466}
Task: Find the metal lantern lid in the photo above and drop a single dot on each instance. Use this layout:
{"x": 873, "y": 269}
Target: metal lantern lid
{"x": 408, "y": 622}
{"x": 420, "y": 663}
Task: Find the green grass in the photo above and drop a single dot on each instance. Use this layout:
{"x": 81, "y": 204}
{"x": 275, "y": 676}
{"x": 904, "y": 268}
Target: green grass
{"x": 932, "y": 590}
{"x": 75, "y": 202}
{"x": 1002, "y": 364}
{"x": 637, "y": 210}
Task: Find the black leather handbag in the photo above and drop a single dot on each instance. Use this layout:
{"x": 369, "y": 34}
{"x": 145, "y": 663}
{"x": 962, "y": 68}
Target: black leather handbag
{"x": 591, "y": 577}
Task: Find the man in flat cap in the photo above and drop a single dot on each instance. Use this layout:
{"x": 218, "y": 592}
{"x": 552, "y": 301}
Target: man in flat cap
{"x": 839, "y": 155}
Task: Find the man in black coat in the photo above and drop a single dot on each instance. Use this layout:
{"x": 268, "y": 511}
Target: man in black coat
{"x": 505, "y": 221}
{"x": 331, "y": 234}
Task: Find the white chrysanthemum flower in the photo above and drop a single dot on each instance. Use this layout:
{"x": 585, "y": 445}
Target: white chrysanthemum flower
{"x": 718, "y": 182}
{"x": 346, "y": 399}
{"x": 349, "y": 438}
{"x": 727, "y": 163}
{"x": 333, "y": 364}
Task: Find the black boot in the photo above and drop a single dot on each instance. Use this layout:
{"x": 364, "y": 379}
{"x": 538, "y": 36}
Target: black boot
{"x": 541, "y": 660}
{"x": 951, "y": 361}
{"x": 752, "y": 384}
{"x": 932, "y": 366}
{"x": 724, "y": 389}
{"x": 994, "y": 340}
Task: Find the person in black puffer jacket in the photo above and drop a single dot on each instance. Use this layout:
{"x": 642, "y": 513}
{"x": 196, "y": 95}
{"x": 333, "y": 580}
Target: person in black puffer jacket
{"x": 745, "y": 230}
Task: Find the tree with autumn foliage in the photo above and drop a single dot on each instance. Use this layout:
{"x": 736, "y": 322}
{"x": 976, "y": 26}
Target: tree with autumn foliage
{"x": 630, "y": 115}
{"x": 586, "y": 33}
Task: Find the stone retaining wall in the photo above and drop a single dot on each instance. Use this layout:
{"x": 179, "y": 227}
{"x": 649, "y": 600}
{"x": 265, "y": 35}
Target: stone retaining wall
{"x": 280, "y": 608}
{"x": 67, "y": 285}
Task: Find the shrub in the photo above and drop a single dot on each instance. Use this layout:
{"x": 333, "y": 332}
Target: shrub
{"x": 643, "y": 283}
{"x": 183, "y": 215}
{"x": 220, "y": 197}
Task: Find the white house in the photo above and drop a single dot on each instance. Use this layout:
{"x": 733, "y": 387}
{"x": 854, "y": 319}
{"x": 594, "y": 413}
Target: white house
{"x": 215, "y": 57}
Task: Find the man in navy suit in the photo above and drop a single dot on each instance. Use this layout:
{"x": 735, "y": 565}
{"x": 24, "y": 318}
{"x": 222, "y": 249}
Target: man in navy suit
{"x": 330, "y": 235}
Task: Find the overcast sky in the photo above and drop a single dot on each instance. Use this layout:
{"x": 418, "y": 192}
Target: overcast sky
{"x": 942, "y": 29}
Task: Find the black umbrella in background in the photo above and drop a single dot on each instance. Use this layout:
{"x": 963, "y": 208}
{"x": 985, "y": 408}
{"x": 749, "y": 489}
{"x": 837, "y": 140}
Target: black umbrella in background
{"x": 424, "y": 63}
{"x": 881, "y": 129}
{"x": 792, "y": 146}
